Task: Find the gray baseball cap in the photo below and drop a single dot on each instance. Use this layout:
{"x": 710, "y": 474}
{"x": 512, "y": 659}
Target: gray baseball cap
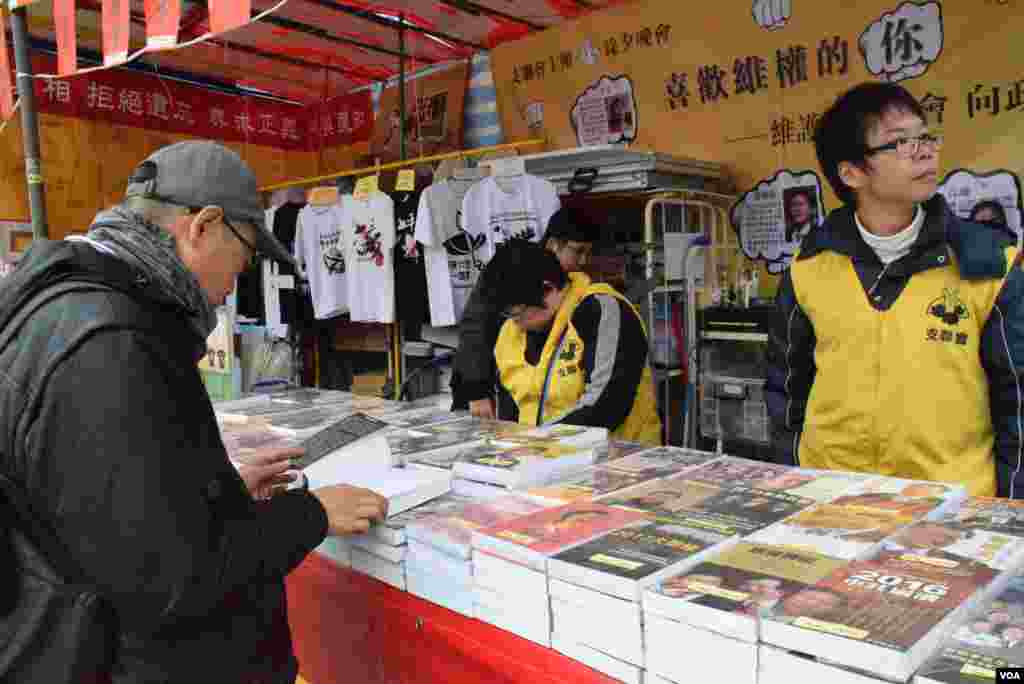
{"x": 203, "y": 173}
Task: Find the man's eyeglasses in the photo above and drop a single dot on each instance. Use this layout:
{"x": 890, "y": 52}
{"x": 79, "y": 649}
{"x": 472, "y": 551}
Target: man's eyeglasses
{"x": 907, "y": 147}
{"x": 254, "y": 254}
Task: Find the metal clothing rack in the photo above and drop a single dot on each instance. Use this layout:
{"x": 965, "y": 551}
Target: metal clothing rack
{"x": 396, "y": 364}
{"x": 693, "y": 219}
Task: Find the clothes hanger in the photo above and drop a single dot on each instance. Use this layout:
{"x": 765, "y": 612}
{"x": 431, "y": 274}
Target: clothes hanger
{"x": 323, "y": 196}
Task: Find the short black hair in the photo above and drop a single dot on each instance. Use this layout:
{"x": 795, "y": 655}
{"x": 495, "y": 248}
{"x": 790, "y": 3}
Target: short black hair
{"x": 995, "y": 207}
{"x": 517, "y": 273}
{"x": 570, "y": 224}
{"x": 841, "y": 133}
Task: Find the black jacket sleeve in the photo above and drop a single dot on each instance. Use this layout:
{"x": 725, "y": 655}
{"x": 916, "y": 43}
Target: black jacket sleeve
{"x": 474, "y": 361}
{"x": 614, "y": 357}
{"x": 1002, "y": 356}
{"x": 790, "y": 372}
{"x": 142, "y": 492}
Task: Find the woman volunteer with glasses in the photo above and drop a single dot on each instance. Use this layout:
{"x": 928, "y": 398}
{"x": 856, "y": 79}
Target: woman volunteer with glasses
{"x": 569, "y": 350}
{"x": 570, "y": 237}
{"x": 900, "y": 329}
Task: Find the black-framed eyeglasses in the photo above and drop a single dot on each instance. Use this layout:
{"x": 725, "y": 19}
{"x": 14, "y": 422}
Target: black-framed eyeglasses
{"x": 254, "y": 254}
{"x": 907, "y": 147}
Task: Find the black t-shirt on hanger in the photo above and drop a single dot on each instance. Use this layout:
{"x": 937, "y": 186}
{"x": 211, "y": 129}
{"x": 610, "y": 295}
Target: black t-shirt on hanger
{"x": 294, "y": 307}
{"x": 410, "y": 271}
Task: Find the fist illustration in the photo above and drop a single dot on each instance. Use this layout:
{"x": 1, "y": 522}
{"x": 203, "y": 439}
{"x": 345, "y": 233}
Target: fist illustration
{"x": 771, "y": 14}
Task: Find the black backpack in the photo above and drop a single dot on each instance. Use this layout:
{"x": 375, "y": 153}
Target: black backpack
{"x": 54, "y": 627}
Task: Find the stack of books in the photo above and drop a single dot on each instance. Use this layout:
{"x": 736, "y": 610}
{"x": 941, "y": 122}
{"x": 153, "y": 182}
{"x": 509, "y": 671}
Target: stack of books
{"x": 510, "y": 562}
{"x": 854, "y": 524}
{"x": 381, "y": 552}
{"x": 627, "y": 471}
{"x": 885, "y": 615}
{"x": 716, "y": 606}
{"x": 438, "y": 561}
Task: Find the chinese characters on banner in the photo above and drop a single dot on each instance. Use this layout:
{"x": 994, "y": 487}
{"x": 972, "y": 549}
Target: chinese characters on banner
{"x": 343, "y": 120}
{"x": 613, "y": 46}
{"x": 753, "y": 74}
{"x": 131, "y": 99}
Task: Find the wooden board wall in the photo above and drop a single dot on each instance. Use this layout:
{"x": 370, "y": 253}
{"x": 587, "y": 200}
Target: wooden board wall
{"x": 86, "y": 165}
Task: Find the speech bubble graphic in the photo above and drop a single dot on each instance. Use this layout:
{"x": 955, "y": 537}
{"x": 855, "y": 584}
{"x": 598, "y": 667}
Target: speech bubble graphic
{"x": 606, "y": 113}
{"x": 902, "y": 44}
{"x": 773, "y": 217}
{"x": 965, "y": 189}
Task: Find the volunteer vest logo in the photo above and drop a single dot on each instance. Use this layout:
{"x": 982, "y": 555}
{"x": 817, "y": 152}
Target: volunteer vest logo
{"x": 950, "y": 310}
{"x": 569, "y": 352}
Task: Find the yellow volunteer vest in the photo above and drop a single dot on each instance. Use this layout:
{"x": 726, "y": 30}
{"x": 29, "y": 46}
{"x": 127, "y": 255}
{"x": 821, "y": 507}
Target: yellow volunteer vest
{"x": 567, "y": 383}
{"x": 899, "y": 392}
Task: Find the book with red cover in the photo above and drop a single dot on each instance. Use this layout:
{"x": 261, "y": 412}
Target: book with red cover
{"x": 732, "y": 471}
{"x": 529, "y": 539}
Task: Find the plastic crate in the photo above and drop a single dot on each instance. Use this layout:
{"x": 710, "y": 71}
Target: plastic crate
{"x": 733, "y": 408}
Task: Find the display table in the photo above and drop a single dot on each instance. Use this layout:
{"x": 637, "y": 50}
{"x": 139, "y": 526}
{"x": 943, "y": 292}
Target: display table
{"x": 348, "y": 627}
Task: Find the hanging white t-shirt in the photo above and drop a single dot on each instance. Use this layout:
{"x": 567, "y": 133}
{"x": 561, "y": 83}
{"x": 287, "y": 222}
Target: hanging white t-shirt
{"x": 320, "y": 252}
{"x": 502, "y": 209}
{"x": 450, "y": 259}
{"x": 370, "y": 241}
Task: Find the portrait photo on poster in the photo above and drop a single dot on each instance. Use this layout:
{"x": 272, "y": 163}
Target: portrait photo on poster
{"x": 606, "y": 113}
{"x": 902, "y": 44}
{"x": 985, "y": 196}
{"x": 773, "y": 217}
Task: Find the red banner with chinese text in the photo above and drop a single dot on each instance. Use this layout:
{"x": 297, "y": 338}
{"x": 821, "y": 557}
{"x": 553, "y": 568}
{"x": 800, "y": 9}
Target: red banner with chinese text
{"x": 6, "y": 79}
{"x": 129, "y": 98}
{"x": 343, "y": 120}
{"x": 116, "y": 30}
{"x": 226, "y": 15}
{"x": 64, "y": 15}
{"x": 163, "y": 18}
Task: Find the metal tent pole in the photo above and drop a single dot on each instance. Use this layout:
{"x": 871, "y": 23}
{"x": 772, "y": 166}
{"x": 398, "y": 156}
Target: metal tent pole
{"x": 29, "y": 122}
{"x": 398, "y": 355}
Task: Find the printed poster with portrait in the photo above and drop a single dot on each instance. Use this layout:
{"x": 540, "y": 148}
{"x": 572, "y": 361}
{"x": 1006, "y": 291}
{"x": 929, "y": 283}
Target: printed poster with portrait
{"x": 606, "y": 113}
{"x": 773, "y": 217}
{"x": 993, "y": 196}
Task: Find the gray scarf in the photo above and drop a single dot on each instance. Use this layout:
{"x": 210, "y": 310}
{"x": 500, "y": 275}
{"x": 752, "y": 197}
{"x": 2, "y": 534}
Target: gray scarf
{"x": 150, "y": 251}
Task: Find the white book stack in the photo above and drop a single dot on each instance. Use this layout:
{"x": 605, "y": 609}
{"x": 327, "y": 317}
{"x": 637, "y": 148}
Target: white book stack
{"x": 368, "y": 464}
{"x": 608, "y": 624}
{"x": 513, "y": 466}
{"x": 602, "y": 662}
{"x": 779, "y": 666}
{"x": 609, "y": 573}
{"x": 512, "y": 598}
{"x": 380, "y": 568}
{"x": 718, "y": 603}
{"x": 510, "y": 563}
{"x": 439, "y": 562}
{"x": 336, "y": 549}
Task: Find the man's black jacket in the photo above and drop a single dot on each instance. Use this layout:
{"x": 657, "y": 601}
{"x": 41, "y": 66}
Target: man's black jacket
{"x": 105, "y": 421}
